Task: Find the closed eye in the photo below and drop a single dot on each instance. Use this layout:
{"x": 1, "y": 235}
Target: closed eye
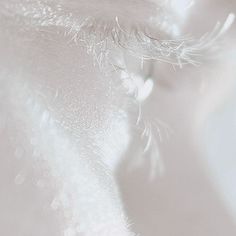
{"x": 143, "y": 28}
{"x": 140, "y": 28}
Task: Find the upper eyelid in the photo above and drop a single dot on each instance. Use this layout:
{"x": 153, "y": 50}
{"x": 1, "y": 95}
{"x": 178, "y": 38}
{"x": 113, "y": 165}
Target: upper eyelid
{"x": 49, "y": 13}
{"x": 43, "y": 15}
{"x": 40, "y": 14}
{"x": 95, "y": 30}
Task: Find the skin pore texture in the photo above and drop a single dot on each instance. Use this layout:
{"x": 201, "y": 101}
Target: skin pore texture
{"x": 75, "y": 79}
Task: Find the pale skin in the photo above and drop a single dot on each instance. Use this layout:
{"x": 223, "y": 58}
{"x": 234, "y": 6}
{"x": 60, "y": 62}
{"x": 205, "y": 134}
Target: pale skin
{"x": 65, "y": 125}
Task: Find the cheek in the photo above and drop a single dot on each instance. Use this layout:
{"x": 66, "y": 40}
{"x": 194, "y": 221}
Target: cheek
{"x": 69, "y": 117}
{"x": 87, "y": 104}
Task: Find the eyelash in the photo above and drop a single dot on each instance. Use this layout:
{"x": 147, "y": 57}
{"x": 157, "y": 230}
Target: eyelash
{"x": 104, "y": 38}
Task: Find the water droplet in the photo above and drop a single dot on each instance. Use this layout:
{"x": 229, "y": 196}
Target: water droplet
{"x": 55, "y": 204}
{"x": 40, "y": 184}
{"x": 19, "y": 153}
{"x": 69, "y": 232}
{"x": 19, "y": 179}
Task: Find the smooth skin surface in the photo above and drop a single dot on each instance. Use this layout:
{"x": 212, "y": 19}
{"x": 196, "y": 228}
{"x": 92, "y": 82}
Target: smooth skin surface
{"x": 69, "y": 136}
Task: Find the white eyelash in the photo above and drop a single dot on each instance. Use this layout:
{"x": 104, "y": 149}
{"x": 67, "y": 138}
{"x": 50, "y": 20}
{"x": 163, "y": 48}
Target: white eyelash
{"x": 106, "y": 41}
{"x": 104, "y": 37}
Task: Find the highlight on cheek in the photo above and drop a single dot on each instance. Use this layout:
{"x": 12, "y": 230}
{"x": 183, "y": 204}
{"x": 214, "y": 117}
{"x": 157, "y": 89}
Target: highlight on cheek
{"x": 94, "y": 106}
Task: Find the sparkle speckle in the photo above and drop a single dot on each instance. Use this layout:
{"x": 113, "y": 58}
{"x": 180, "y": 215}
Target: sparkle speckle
{"x": 55, "y": 204}
{"x": 19, "y": 179}
{"x": 69, "y": 232}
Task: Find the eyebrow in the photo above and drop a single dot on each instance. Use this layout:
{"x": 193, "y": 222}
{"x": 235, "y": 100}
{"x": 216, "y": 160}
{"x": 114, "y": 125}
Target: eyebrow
{"x": 102, "y": 35}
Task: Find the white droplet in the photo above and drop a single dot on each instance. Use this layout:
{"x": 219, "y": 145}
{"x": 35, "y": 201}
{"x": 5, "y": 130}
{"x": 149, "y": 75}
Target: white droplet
{"x": 228, "y": 23}
{"x": 145, "y": 91}
{"x": 19, "y": 179}
{"x": 40, "y": 184}
{"x": 55, "y": 204}
{"x": 19, "y": 153}
{"x": 44, "y": 119}
{"x": 69, "y": 232}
